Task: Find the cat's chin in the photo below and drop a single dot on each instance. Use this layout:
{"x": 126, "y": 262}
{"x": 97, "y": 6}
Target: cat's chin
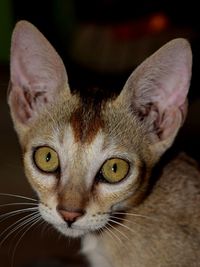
{"x": 71, "y": 232}
{"x": 76, "y": 232}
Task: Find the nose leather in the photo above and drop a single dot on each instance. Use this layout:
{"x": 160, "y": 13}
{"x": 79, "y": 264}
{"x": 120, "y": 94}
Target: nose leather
{"x": 70, "y": 216}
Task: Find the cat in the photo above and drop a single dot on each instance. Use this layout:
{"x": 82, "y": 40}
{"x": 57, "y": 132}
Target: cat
{"x": 93, "y": 163}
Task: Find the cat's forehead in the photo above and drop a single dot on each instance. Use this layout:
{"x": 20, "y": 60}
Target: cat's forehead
{"x": 86, "y": 121}
{"x": 85, "y": 118}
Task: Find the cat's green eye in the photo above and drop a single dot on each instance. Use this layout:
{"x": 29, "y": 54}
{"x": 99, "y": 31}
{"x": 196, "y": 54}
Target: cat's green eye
{"x": 46, "y": 159}
{"x": 114, "y": 170}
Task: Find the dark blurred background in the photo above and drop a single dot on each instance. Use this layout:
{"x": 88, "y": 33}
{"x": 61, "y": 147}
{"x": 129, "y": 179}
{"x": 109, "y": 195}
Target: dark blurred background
{"x": 101, "y": 42}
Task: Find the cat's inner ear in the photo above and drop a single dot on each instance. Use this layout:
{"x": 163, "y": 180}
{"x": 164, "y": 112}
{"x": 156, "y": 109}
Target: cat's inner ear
{"x": 37, "y": 72}
{"x": 157, "y": 92}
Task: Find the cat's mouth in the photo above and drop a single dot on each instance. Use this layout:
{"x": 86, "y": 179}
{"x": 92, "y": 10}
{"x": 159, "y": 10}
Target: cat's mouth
{"x": 78, "y": 231}
{"x": 88, "y": 223}
{"x": 113, "y": 221}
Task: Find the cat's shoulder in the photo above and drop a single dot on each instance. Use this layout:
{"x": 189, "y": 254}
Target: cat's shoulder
{"x": 182, "y": 167}
{"x": 177, "y": 189}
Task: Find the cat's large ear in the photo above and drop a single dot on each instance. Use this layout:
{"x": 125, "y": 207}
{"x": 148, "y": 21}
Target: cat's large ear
{"x": 157, "y": 92}
{"x": 37, "y": 74}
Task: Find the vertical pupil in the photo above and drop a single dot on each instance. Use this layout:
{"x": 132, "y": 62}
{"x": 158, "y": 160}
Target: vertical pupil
{"x": 48, "y": 157}
{"x": 114, "y": 167}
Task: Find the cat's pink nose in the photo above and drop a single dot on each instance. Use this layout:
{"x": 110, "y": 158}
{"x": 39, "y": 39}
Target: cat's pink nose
{"x": 69, "y": 216}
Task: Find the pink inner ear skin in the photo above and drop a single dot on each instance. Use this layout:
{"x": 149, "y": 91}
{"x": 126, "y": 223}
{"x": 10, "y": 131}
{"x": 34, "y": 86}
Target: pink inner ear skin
{"x": 172, "y": 119}
{"x": 37, "y": 73}
{"x": 20, "y": 105}
{"x": 34, "y": 62}
{"x": 158, "y": 89}
{"x": 177, "y": 88}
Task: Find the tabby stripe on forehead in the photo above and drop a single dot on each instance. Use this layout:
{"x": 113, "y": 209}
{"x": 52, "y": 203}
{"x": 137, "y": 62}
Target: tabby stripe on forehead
{"x": 86, "y": 121}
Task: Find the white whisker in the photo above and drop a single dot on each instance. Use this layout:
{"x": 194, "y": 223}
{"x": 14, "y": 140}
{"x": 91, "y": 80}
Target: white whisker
{"x": 123, "y": 219}
{"x": 100, "y": 232}
{"x": 28, "y": 220}
{"x": 123, "y": 225}
{"x": 18, "y": 196}
{"x": 7, "y": 215}
{"x": 44, "y": 228}
{"x": 121, "y": 233}
{"x": 113, "y": 234}
{"x": 128, "y": 228}
{"x": 33, "y": 222}
{"x": 23, "y": 221}
{"x": 41, "y": 223}
{"x": 18, "y": 203}
{"x": 128, "y": 221}
{"x": 114, "y": 237}
{"x": 134, "y": 214}
{"x": 108, "y": 232}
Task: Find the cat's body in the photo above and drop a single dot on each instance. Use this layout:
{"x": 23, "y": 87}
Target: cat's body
{"x": 93, "y": 163}
{"x": 168, "y": 231}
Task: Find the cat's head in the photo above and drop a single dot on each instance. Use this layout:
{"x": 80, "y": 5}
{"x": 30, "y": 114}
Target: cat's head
{"x": 88, "y": 159}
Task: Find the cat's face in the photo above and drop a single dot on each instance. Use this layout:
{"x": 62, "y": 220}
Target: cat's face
{"x": 94, "y": 167}
{"x": 88, "y": 160}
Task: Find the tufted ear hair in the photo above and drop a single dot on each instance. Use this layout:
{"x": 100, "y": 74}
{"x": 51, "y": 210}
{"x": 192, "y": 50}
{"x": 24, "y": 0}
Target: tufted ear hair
{"x": 157, "y": 92}
{"x": 37, "y": 74}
